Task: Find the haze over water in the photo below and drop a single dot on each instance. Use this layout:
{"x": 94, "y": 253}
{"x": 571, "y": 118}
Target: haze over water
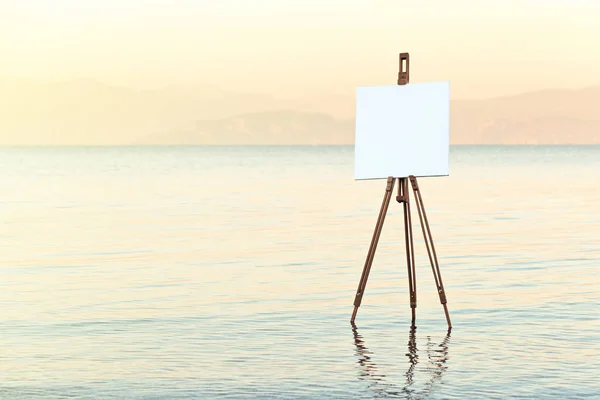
{"x": 230, "y": 272}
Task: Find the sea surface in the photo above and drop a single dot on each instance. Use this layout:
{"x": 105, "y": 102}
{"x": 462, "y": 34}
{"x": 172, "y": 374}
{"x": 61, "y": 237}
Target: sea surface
{"x": 230, "y": 272}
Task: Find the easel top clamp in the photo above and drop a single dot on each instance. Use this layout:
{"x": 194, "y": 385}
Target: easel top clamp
{"x": 403, "y": 75}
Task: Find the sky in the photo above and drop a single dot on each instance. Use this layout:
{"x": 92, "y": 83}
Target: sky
{"x": 305, "y": 48}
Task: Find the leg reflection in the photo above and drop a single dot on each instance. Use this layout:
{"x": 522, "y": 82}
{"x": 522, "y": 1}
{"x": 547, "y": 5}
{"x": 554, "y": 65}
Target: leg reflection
{"x": 368, "y": 370}
{"x": 437, "y": 356}
{"x": 413, "y": 357}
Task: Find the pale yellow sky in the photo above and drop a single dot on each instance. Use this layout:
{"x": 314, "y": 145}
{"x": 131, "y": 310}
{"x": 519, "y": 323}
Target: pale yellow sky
{"x": 297, "y": 48}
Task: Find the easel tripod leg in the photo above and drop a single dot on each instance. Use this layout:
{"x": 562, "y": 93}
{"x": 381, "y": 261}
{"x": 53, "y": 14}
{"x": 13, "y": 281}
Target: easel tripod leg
{"x": 404, "y": 198}
{"x": 371, "y": 254}
{"x": 430, "y": 247}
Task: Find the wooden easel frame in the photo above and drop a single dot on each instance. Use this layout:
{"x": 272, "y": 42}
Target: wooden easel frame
{"x": 404, "y": 198}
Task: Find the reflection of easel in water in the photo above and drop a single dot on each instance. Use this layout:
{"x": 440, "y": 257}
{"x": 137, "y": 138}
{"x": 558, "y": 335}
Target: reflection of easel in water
{"x": 369, "y": 368}
{"x": 403, "y": 197}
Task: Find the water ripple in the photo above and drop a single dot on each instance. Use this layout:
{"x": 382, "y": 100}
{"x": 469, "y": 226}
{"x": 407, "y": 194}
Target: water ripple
{"x": 201, "y": 273}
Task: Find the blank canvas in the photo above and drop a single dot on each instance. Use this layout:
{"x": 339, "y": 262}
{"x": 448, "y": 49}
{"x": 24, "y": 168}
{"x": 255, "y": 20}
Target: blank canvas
{"x": 402, "y": 130}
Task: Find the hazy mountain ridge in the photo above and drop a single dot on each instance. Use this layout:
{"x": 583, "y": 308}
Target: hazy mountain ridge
{"x": 270, "y": 127}
{"x": 91, "y": 112}
{"x": 569, "y": 116}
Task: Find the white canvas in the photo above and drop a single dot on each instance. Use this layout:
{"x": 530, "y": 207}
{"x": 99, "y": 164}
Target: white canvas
{"x": 402, "y": 130}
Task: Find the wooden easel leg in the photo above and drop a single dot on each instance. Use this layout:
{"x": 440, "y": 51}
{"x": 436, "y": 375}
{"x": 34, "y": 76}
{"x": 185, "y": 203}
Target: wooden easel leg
{"x": 430, "y": 247}
{"x": 404, "y": 198}
{"x": 371, "y": 254}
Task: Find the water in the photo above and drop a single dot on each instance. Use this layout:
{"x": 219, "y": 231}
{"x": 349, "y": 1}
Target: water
{"x": 199, "y": 272}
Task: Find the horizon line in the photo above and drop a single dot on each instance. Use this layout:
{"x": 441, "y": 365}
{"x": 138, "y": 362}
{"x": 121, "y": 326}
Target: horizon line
{"x": 3, "y": 146}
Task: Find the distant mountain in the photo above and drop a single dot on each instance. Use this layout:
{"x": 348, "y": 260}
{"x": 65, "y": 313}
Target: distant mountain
{"x": 548, "y": 117}
{"x": 270, "y": 127}
{"x": 543, "y": 117}
{"x": 90, "y": 112}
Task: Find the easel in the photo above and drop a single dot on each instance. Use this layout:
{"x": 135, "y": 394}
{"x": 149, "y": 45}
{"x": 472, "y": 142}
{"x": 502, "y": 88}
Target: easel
{"x": 403, "y": 198}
